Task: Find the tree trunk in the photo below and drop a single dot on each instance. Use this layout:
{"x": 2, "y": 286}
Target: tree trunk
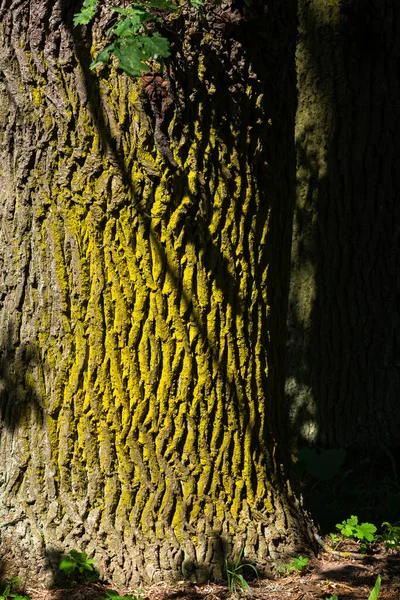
{"x": 145, "y": 241}
{"x": 344, "y": 329}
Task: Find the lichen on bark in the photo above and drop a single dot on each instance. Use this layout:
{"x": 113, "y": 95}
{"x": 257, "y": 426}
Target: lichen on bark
{"x": 144, "y": 303}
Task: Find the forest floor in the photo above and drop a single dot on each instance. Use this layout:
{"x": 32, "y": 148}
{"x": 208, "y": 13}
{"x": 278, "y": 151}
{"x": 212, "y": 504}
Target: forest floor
{"x": 347, "y": 574}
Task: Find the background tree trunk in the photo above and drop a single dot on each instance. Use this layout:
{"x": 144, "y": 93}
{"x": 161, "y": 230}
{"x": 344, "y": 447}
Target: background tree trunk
{"x": 145, "y": 240}
{"x": 344, "y": 327}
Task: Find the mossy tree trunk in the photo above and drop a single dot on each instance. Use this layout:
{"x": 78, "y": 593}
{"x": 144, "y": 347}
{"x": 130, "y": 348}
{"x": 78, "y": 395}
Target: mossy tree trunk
{"x": 145, "y": 240}
{"x": 343, "y": 358}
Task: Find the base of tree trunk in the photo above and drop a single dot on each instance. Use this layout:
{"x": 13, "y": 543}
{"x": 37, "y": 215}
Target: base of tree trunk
{"x": 200, "y": 556}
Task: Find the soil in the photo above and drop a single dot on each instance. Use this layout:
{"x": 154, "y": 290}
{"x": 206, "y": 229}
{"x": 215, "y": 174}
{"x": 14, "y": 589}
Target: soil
{"x": 346, "y": 573}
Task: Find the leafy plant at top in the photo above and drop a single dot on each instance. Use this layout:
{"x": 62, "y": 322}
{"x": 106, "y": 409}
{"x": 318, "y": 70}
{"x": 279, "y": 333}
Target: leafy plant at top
{"x": 7, "y": 590}
{"x": 87, "y": 13}
{"x": 134, "y": 40}
{"x": 113, "y": 595}
{"x": 236, "y": 581}
{"x": 351, "y": 528}
{"x": 78, "y": 565}
{"x": 391, "y": 536}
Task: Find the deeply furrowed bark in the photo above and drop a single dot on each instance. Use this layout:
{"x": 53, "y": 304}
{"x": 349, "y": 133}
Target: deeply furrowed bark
{"x": 343, "y": 358}
{"x": 144, "y": 272}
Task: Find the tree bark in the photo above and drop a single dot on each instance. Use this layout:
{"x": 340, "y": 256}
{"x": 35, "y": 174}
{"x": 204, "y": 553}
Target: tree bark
{"x": 343, "y": 350}
{"x": 145, "y": 240}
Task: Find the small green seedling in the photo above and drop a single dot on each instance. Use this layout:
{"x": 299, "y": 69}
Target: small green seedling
{"x": 7, "y": 590}
{"x": 236, "y": 581}
{"x": 296, "y": 564}
{"x": 113, "y": 595}
{"x": 78, "y": 565}
{"x": 374, "y": 595}
{"x": 391, "y": 536}
{"x": 280, "y": 568}
{"x": 336, "y": 541}
{"x": 351, "y": 528}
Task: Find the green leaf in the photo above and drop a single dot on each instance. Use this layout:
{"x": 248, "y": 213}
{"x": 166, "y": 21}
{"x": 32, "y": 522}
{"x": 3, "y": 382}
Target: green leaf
{"x": 87, "y": 13}
{"x": 375, "y": 592}
{"x": 347, "y": 531}
{"x": 103, "y": 56}
{"x": 68, "y": 565}
{"x": 127, "y": 27}
{"x": 347, "y": 527}
{"x": 112, "y": 594}
{"x": 154, "y": 45}
{"x": 132, "y": 23}
{"x": 365, "y": 531}
{"x": 300, "y": 562}
{"x": 131, "y": 58}
{"x": 135, "y": 12}
{"x": 297, "y": 564}
{"x": 242, "y": 582}
{"x": 128, "y": 12}
{"x": 391, "y": 536}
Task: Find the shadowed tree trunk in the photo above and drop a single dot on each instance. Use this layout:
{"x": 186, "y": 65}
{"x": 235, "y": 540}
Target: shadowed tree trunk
{"x": 145, "y": 239}
{"x": 343, "y": 358}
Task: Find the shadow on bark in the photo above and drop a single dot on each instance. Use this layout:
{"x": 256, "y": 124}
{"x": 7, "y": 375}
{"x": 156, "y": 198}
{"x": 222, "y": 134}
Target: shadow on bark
{"x": 238, "y": 108}
{"x": 19, "y": 371}
{"x": 3, "y": 570}
{"x": 348, "y": 352}
{"x": 343, "y": 370}
{"x": 196, "y": 218}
